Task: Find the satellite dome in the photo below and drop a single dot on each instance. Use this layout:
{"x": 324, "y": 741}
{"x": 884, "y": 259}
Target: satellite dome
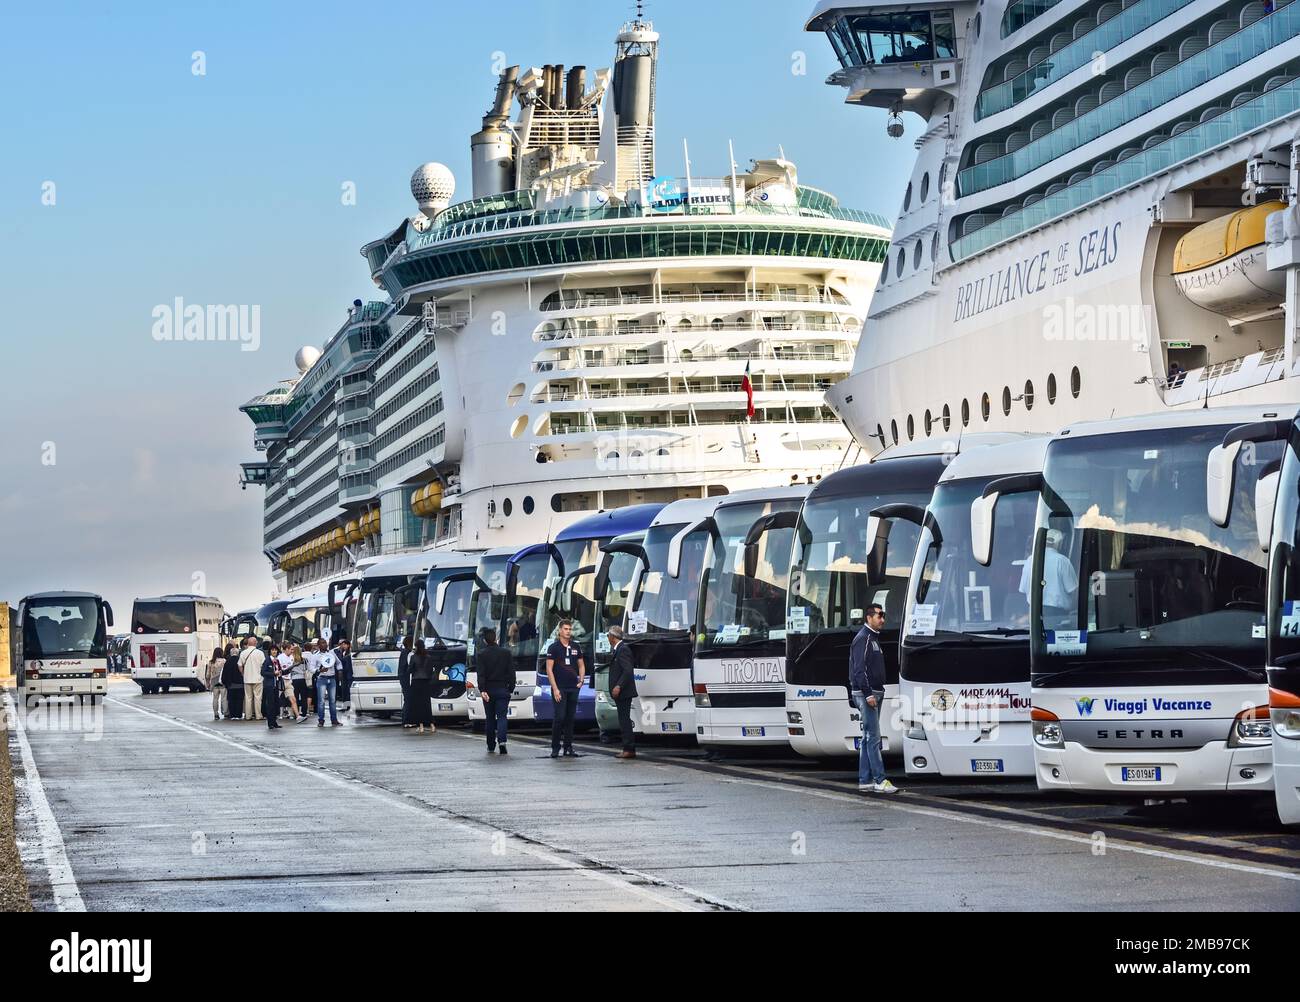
{"x": 432, "y": 187}
{"x": 306, "y": 358}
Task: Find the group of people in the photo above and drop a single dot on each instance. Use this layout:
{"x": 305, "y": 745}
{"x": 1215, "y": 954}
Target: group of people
{"x": 260, "y": 680}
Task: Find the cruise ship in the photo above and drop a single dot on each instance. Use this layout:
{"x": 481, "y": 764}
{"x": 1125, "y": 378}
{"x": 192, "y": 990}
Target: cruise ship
{"x": 581, "y": 334}
{"x": 1102, "y": 218}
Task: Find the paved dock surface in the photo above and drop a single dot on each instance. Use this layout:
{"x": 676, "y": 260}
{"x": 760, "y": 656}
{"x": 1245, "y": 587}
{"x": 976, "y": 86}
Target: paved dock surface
{"x": 165, "y": 809}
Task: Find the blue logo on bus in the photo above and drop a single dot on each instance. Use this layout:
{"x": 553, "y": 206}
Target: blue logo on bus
{"x": 1086, "y": 705}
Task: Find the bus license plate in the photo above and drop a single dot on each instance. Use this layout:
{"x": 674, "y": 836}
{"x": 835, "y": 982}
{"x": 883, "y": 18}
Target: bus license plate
{"x": 446, "y": 707}
{"x": 1141, "y": 774}
{"x": 672, "y": 728}
{"x": 753, "y": 732}
{"x": 66, "y": 688}
{"x": 987, "y": 765}
{"x": 164, "y": 674}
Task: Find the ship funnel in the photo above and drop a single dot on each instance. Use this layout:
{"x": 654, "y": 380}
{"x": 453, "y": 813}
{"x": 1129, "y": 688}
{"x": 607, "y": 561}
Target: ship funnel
{"x": 492, "y": 152}
{"x": 506, "y": 89}
{"x": 577, "y": 87}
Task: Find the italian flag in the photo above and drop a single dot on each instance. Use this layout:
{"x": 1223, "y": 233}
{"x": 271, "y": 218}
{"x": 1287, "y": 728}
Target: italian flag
{"x": 747, "y": 384}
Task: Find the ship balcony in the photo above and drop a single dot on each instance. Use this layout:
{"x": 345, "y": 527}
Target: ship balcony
{"x": 256, "y": 474}
{"x": 664, "y": 362}
{"x": 845, "y": 326}
{"x": 736, "y": 298}
{"x": 891, "y": 54}
{"x": 679, "y": 392}
{"x": 355, "y": 493}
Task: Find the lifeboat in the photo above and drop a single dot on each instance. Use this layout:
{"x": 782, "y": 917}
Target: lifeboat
{"x": 1221, "y": 265}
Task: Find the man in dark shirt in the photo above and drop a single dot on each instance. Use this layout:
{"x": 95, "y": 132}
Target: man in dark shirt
{"x": 343, "y": 652}
{"x": 404, "y": 679}
{"x": 867, "y": 683}
{"x": 622, "y": 688}
{"x": 496, "y": 681}
{"x": 566, "y": 671}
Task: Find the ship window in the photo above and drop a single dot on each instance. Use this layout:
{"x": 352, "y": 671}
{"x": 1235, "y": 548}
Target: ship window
{"x": 507, "y": 507}
{"x": 1051, "y": 388}
{"x": 557, "y": 503}
{"x": 929, "y": 424}
{"x": 1006, "y": 400}
{"x": 911, "y": 427}
{"x": 934, "y": 249}
{"x": 893, "y": 430}
{"x": 901, "y": 38}
{"x": 986, "y": 406}
{"x": 907, "y": 199}
{"x": 947, "y": 418}
{"x": 925, "y": 187}
{"x": 1029, "y": 395}
{"x": 1076, "y": 383}
{"x": 965, "y": 413}
{"x": 902, "y": 260}
{"x": 529, "y": 506}
{"x": 880, "y": 435}
{"x": 917, "y": 253}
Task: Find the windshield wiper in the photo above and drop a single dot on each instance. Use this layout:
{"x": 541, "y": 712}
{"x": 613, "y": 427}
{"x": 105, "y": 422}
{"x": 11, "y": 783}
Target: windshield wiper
{"x": 964, "y": 639}
{"x": 1001, "y": 631}
{"x": 739, "y": 644}
{"x": 1254, "y": 674}
{"x": 1286, "y": 661}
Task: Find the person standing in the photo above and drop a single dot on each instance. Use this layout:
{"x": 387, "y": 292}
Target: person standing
{"x": 622, "y": 687}
{"x": 404, "y": 679}
{"x": 566, "y": 671}
{"x": 271, "y": 689}
{"x": 326, "y": 684}
{"x": 250, "y": 663}
{"x": 422, "y": 673}
{"x": 298, "y": 684}
{"x": 212, "y": 677}
{"x": 232, "y": 679}
{"x": 867, "y": 683}
{"x": 343, "y": 653}
{"x": 497, "y": 681}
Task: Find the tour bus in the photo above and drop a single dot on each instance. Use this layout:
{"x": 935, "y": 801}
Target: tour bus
{"x": 387, "y": 604}
{"x": 660, "y": 619}
{"x": 487, "y": 611}
{"x": 964, "y": 659}
{"x": 448, "y": 591}
{"x": 172, "y": 639}
{"x": 621, "y": 565}
{"x": 570, "y": 593}
{"x": 239, "y": 627}
{"x": 64, "y": 637}
{"x": 831, "y": 589}
{"x": 738, "y": 673}
{"x": 1148, "y": 613}
{"x": 1280, "y": 535}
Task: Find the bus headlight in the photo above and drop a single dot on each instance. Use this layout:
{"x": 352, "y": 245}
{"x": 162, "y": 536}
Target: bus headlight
{"x": 916, "y": 731}
{"x": 1286, "y": 724}
{"x": 1048, "y": 732}
{"x": 1251, "y": 728}
{"x": 794, "y": 718}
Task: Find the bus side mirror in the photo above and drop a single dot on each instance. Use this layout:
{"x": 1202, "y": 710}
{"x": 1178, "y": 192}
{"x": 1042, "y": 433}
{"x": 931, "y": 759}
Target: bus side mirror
{"x": 1265, "y": 503}
{"x": 877, "y": 549}
{"x": 443, "y": 588}
{"x": 983, "y": 515}
{"x": 108, "y": 613}
{"x": 1220, "y": 482}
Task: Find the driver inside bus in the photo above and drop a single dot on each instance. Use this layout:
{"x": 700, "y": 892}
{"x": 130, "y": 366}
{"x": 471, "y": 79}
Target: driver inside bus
{"x": 1060, "y": 580}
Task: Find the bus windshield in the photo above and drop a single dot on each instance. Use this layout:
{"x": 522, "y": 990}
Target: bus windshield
{"x": 487, "y": 607}
{"x": 955, "y": 594}
{"x": 613, "y": 603}
{"x": 163, "y": 617}
{"x": 1284, "y": 576}
{"x": 1131, "y": 574}
{"x": 386, "y": 612}
{"x": 71, "y": 627}
{"x": 741, "y": 611}
{"x": 669, "y": 604}
{"x": 571, "y": 594}
{"x": 523, "y": 607}
{"x": 452, "y": 624}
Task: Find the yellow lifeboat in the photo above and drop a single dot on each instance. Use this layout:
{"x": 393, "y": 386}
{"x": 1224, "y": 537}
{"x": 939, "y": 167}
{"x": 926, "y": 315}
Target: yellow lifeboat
{"x": 1221, "y": 266}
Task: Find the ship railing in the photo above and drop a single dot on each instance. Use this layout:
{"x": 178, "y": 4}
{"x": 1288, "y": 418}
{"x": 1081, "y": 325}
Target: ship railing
{"x": 632, "y": 392}
{"x": 687, "y": 357}
{"x": 670, "y": 299}
{"x": 778, "y": 327}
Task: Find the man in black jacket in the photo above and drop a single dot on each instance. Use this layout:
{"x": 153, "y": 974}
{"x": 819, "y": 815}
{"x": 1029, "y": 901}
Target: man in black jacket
{"x": 622, "y": 687}
{"x": 404, "y": 679}
{"x": 496, "y": 681}
{"x": 867, "y": 683}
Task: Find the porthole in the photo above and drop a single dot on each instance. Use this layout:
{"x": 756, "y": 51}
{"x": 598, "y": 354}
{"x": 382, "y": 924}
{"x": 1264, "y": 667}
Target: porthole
{"x": 557, "y": 504}
{"x": 519, "y": 427}
{"x": 929, "y": 424}
{"x": 1006, "y": 400}
{"x": 907, "y": 199}
{"x": 979, "y": 18}
{"x": 911, "y": 428}
{"x": 925, "y": 187}
{"x": 1051, "y": 388}
{"x": 947, "y": 418}
{"x": 1029, "y": 395}
{"x": 902, "y": 260}
{"x": 893, "y": 431}
{"x": 516, "y": 394}
{"x": 918, "y": 253}
{"x": 1076, "y": 383}
{"x": 986, "y": 406}
{"x": 965, "y": 413}
{"x": 934, "y": 249}
{"x": 529, "y": 506}
{"x": 507, "y": 507}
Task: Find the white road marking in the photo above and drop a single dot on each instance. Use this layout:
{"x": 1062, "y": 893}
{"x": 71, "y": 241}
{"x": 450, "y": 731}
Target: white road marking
{"x": 34, "y": 803}
{"x": 621, "y": 879}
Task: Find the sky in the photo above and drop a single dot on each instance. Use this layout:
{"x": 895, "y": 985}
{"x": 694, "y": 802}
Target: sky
{"x": 164, "y": 149}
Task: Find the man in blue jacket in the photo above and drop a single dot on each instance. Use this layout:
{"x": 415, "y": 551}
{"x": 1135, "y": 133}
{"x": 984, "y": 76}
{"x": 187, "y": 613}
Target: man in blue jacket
{"x": 867, "y": 683}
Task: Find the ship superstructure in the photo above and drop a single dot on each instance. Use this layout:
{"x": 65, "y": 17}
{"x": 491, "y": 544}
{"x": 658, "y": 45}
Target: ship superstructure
{"x": 1102, "y": 218}
{"x": 584, "y": 333}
